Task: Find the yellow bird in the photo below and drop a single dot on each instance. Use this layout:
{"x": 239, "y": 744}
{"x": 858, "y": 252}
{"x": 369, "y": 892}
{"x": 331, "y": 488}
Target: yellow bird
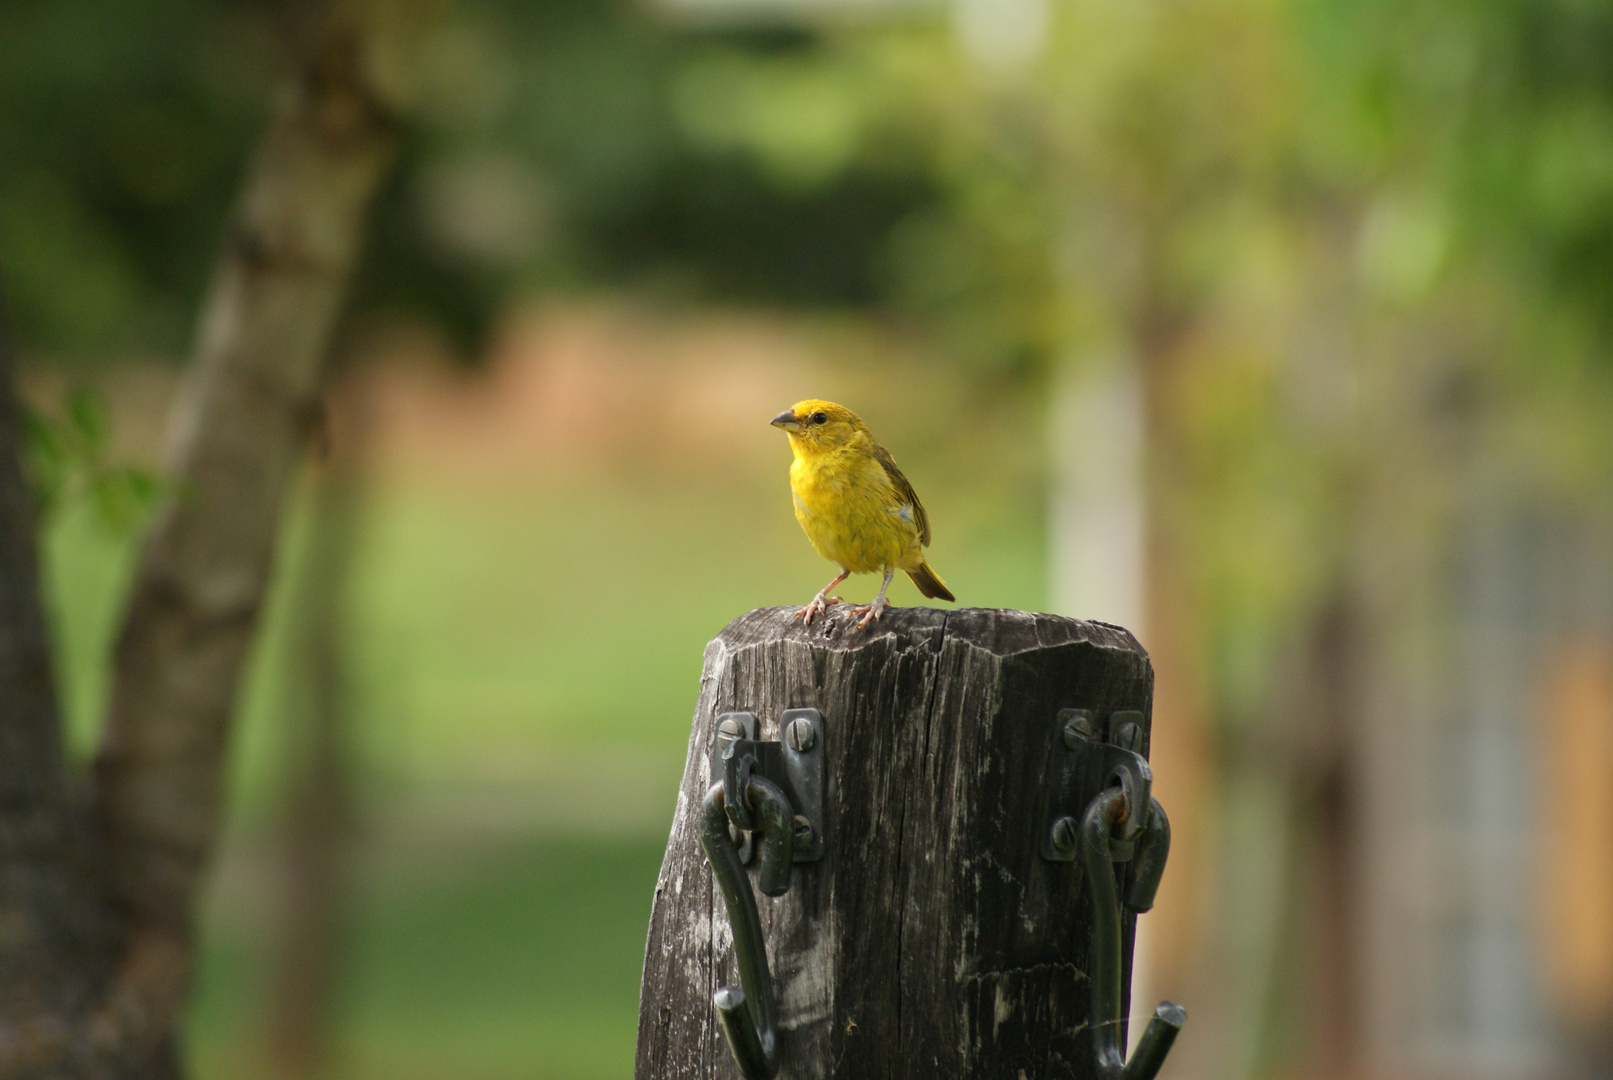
{"x": 854, "y": 504}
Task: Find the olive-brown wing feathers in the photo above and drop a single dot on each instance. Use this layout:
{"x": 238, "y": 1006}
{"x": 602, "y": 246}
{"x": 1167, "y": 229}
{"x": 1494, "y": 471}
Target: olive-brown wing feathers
{"x": 905, "y": 492}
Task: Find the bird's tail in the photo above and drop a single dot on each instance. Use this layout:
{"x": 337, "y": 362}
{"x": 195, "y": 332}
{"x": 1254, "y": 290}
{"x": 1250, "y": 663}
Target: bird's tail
{"x": 929, "y": 583}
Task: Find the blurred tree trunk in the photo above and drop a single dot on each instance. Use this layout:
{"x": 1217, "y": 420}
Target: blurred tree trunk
{"x": 57, "y": 930}
{"x": 99, "y": 920}
{"x": 319, "y": 839}
{"x": 1337, "y": 865}
{"x": 238, "y": 439}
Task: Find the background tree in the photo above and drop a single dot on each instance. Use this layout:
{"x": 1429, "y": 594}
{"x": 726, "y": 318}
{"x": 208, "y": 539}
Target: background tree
{"x": 109, "y": 884}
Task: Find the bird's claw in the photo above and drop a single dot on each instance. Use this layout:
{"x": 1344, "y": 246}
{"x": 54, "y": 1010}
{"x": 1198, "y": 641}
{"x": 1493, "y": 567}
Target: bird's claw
{"x": 818, "y": 606}
{"x": 869, "y": 612}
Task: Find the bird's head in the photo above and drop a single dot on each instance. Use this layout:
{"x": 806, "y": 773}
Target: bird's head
{"x": 815, "y": 425}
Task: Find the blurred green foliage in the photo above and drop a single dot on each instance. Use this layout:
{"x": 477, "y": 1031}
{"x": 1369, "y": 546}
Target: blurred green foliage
{"x": 562, "y": 144}
{"x": 522, "y": 959}
{"x": 70, "y": 460}
{"x": 125, "y": 129}
{"x": 550, "y": 148}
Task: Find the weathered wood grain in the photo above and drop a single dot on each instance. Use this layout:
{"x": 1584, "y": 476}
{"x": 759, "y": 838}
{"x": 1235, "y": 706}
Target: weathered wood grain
{"x": 932, "y": 940}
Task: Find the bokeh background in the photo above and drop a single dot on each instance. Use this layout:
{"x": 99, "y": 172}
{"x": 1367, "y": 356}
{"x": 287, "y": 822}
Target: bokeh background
{"x": 1276, "y": 330}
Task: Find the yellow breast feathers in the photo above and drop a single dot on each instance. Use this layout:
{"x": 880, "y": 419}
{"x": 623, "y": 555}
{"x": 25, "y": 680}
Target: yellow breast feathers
{"x": 853, "y": 513}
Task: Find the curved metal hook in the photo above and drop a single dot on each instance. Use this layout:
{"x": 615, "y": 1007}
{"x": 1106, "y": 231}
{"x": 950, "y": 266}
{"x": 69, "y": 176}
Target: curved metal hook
{"x": 746, "y": 1012}
{"x": 1105, "y": 812}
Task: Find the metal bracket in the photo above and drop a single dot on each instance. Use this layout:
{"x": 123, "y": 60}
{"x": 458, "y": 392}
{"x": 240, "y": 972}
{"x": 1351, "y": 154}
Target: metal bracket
{"x": 1101, "y": 810}
{"x": 774, "y": 789}
{"x": 794, "y": 764}
{"x": 1089, "y": 756}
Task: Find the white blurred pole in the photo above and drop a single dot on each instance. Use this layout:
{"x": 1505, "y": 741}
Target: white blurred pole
{"x": 1097, "y": 516}
{"x": 1001, "y": 34}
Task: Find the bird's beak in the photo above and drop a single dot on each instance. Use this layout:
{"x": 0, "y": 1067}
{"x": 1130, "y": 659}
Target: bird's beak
{"x": 786, "y": 420}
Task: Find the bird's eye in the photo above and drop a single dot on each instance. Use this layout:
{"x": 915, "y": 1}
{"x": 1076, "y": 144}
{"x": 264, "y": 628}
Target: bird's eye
{"x": 820, "y": 418}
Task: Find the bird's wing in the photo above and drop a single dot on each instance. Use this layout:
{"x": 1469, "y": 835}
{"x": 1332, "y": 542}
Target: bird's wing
{"x": 905, "y": 492}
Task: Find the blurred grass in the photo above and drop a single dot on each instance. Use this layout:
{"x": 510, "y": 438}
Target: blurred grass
{"x": 523, "y": 962}
{"x": 512, "y": 638}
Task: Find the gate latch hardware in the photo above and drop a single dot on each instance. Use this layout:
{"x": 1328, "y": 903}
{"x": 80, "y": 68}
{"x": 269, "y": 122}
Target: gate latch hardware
{"x": 774, "y": 789}
{"x": 1101, "y": 810}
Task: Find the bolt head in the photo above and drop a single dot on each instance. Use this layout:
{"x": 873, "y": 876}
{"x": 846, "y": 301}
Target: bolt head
{"x": 731, "y": 728}
{"x": 801, "y": 735}
{"x": 1077, "y": 730}
{"x": 1066, "y": 835}
{"x": 802, "y": 830}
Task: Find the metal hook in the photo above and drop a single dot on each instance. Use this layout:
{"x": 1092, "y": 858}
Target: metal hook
{"x": 1097, "y": 775}
{"x": 1108, "y": 809}
{"x": 775, "y": 788}
{"x": 747, "y": 1013}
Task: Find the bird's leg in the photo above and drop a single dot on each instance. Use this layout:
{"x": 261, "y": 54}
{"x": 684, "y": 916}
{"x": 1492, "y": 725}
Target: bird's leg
{"x": 821, "y": 602}
{"x": 870, "y": 612}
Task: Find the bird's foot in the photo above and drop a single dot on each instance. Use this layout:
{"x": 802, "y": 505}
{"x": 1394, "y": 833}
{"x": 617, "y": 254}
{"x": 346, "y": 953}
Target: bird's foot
{"x": 818, "y": 606}
{"x": 869, "y": 612}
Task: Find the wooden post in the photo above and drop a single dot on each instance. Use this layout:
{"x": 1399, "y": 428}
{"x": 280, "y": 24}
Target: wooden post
{"x": 933, "y": 939}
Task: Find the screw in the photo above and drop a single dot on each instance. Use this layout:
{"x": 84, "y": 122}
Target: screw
{"x": 1130, "y": 736}
{"x": 801, "y": 735}
{"x": 1065, "y": 835}
{"x": 1077, "y": 730}
{"x": 729, "y": 727}
{"x": 802, "y": 830}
